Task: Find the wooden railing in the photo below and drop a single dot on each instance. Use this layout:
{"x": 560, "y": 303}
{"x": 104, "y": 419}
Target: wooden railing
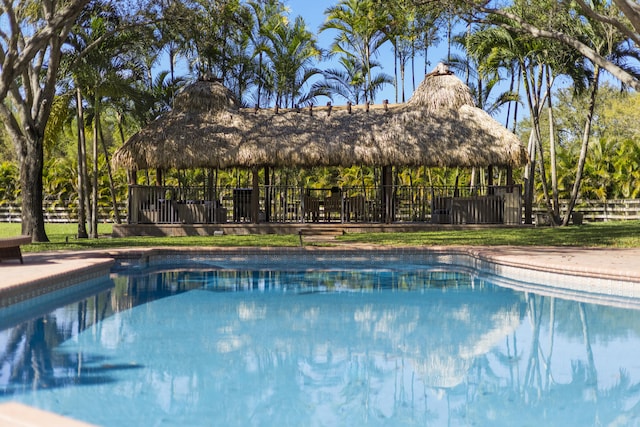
{"x": 415, "y": 204}
{"x": 444, "y": 205}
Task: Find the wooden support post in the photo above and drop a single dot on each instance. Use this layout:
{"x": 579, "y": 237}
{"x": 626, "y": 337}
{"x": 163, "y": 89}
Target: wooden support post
{"x": 387, "y": 194}
{"x": 255, "y": 196}
{"x": 489, "y": 176}
{"x": 267, "y": 196}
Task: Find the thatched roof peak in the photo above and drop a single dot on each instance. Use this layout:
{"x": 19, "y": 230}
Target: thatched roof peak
{"x": 441, "y": 90}
{"x": 441, "y": 69}
{"x": 205, "y": 95}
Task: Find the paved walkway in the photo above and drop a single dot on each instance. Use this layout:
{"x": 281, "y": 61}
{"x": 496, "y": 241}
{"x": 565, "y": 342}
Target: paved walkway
{"x": 613, "y": 264}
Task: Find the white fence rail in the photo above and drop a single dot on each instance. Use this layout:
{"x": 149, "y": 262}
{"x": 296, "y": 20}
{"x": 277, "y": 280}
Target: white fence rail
{"x": 601, "y": 211}
{"x": 58, "y": 212}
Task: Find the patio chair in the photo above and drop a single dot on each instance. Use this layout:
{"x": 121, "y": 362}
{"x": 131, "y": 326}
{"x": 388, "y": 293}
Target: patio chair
{"x": 332, "y": 204}
{"x": 311, "y": 206}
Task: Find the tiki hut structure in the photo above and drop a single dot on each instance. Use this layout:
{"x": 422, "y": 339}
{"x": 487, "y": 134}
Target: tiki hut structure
{"x": 439, "y": 126}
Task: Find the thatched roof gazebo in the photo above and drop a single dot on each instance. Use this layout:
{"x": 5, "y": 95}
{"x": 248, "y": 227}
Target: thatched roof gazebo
{"x": 439, "y": 126}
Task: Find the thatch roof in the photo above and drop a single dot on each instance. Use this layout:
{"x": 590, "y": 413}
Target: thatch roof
{"x": 439, "y": 126}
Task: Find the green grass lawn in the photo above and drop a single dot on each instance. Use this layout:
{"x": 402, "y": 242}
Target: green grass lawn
{"x": 621, "y": 234}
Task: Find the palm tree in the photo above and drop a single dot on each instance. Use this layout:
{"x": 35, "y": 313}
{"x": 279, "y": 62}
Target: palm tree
{"x": 360, "y": 26}
{"x": 531, "y": 59}
{"x": 349, "y": 82}
{"x": 216, "y": 40}
{"x": 609, "y": 43}
{"x": 627, "y": 170}
{"x": 484, "y": 76}
{"x": 102, "y": 73}
{"x": 268, "y": 17}
{"x": 292, "y": 54}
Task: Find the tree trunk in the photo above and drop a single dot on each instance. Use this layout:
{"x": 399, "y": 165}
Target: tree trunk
{"x": 395, "y": 67}
{"x": 402, "y": 70}
{"x": 31, "y": 89}
{"x": 552, "y": 154}
{"x": 529, "y": 182}
{"x": 82, "y": 170}
{"x": 586, "y": 136}
{"x": 94, "y": 190}
{"x": 31, "y": 158}
{"x": 112, "y": 188}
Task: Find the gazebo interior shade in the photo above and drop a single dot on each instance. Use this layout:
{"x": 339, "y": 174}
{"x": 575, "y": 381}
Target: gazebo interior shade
{"x": 439, "y": 126}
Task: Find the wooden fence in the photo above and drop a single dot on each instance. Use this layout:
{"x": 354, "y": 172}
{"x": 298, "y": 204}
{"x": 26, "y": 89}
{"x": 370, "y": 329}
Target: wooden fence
{"x": 60, "y": 212}
{"x": 601, "y": 211}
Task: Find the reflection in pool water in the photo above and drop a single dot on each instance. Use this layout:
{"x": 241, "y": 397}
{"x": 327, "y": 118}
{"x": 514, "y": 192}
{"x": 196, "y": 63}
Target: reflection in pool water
{"x": 368, "y": 347}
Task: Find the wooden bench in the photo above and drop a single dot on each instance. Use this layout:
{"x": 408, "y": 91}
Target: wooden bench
{"x": 10, "y": 247}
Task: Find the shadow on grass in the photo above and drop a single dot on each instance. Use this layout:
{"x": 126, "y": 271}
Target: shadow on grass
{"x": 65, "y": 243}
{"x": 622, "y": 234}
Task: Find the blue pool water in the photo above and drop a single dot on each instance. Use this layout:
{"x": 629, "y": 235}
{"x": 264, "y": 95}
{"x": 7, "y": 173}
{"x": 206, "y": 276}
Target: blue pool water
{"x": 378, "y": 346}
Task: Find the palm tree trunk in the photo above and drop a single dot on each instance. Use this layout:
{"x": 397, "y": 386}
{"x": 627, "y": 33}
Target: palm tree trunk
{"x": 82, "y": 177}
{"x": 413, "y": 66}
{"x": 529, "y": 186}
{"x": 112, "y": 188}
{"x": 403, "y": 63}
{"x": 552, "y": 153}
{"x": 94, "y": 190}
{"x": 536, "y": 111}
{"x": 395, "y": 67}
{"x": 586, "y": 136}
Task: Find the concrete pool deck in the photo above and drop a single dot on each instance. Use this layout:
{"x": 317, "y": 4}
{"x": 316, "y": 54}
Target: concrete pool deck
{"x": 46, "y": 272}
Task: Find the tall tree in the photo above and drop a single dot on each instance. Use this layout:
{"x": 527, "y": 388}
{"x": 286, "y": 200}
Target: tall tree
{"x": 604, "y": 39}
{"x": 625, "y": 19}
{"x": 268, "y": 17}
{"x": 402, "y": 32}
{"x": 104, "y": 60}
{"x": 30, "y": 51}
{"x": 360, "y": 25}
{"x": 292, "y": 54}
{"x": 216, "y": 35}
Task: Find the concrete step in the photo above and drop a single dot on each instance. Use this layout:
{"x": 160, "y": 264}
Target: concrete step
{"x": 321, "y": 231}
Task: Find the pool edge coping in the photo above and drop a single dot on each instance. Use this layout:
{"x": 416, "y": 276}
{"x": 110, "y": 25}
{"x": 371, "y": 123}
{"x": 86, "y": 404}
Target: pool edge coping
{"x": 499, "y": 260}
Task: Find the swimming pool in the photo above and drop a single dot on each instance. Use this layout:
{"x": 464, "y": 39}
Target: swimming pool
{"x": 287, "y": 343}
